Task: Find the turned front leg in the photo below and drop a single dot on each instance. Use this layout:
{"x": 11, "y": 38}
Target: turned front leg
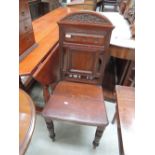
{"x": 98, "y": 135}
{"x": 50, "y": 127}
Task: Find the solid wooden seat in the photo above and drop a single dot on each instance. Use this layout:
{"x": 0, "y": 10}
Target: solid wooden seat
{"x": 76, "y": 102}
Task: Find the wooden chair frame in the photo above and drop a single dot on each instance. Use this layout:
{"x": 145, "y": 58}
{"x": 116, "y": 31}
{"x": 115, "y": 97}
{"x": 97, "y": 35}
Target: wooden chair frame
{"x": 83, "y": 36}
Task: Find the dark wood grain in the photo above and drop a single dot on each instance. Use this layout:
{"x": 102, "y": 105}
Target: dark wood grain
{"x": 76, "y": 102}
{"x": 27, "y": 118}
{"x": 126, "y": 118}
{"x": 98, "y": 135}
{"x": 78, "y": 96}
{"x": 84, "y": 36}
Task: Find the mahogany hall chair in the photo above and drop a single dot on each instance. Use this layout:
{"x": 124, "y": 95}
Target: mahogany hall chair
{"x": 84, "y": 39}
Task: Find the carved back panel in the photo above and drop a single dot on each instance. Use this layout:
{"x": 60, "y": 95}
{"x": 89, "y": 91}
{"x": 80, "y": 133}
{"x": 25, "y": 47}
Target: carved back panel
{"x": 84, "y": 39}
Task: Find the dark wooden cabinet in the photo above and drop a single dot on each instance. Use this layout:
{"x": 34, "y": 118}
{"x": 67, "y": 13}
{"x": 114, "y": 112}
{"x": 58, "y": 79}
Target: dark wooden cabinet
{"x": 26, "y": 34}
{"x": 84, "y": 42}
{"x": 35, "y": 8}
{"x": 38, "y": 8}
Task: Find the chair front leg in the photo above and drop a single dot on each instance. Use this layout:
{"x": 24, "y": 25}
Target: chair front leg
{"x": 98, "y": 135}
{"x": 50, "y": 127}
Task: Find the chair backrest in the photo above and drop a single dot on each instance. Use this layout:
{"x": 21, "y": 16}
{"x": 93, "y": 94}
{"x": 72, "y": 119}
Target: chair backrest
{"x": 84, "y": 39}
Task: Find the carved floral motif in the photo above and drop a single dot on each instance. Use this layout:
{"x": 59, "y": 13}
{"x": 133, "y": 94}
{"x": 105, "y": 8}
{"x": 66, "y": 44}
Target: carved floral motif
{"x": 86, "y": 18}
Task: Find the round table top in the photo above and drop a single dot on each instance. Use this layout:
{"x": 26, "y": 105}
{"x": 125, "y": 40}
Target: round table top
{"x": 27, "y": 118}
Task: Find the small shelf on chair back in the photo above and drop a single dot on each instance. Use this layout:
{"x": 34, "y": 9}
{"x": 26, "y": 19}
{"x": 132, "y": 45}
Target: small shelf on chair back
{"x": 84, "y": 42}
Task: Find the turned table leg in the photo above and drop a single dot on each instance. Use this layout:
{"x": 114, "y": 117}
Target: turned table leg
{"x": 98, "y": 135}
{"x": 50, "y": 127}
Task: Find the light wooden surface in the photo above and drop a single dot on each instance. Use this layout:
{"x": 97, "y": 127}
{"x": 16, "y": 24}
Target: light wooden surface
{"x": 122, "y": 45}
{"x": 126, "y": 115}
{"x": 47, "y": 34}
{"x": 122, "y": 52}
{"x": 27, "y": 118}
{"x": 121, "y": 35}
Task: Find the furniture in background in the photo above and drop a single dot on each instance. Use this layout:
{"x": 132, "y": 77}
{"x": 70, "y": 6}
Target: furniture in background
{"x": 126, "y": 119}
{"x": 129, "y": 77}
{"x": 126, "y": 68}
{"x": 93, "y": 4}
{"x": 132, "y": 28}
{"x": 100, "y": 4}
{"x": 112, "y": 5}
{"x": 26, "y": 37}
{"x": 35, "y": 8}
{"x": 27, "y": 41}
{"x": 26, "y": 34}
{"x": 78, "y": 96}
{"x": 122, "y": 51}
{"x": 52, "y": 4}
{"x": 122, "y": 5}
{"x": 127, "y": 9}
{"x": 83, "y": 4}
{"x": 38, "y": 8}
{"x": 27, "y": 117}
{"x": 129, "y": 13}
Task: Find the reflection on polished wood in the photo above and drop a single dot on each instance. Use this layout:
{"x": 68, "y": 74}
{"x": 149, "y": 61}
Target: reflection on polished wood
{"x": 126, "y": 118}
{"x": 27, "y": 118}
